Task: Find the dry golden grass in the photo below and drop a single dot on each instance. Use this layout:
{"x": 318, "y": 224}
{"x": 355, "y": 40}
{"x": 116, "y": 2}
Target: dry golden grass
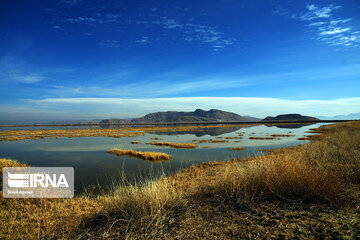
{"x": 325, "y": 171}
{"x": 173, "y": 145}
{"x": 151, "y": 156}
{"x": 282, "y": 135}
{"x": 10, "y": 163}
{"x": 261, "y": 138}
{"x": 217, "y": 141}
{"x": 303, "y": 138}
{"x": 236, "y": 148}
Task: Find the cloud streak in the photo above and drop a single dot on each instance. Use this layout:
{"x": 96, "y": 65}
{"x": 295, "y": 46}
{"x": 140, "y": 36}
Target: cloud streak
{"x": 24, "y": 78}
{"x": 188, "y": 29}
{"x": 331, "y": 30}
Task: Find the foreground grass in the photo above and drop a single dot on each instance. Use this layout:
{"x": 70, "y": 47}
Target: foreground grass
{"x": 310, "y": 191}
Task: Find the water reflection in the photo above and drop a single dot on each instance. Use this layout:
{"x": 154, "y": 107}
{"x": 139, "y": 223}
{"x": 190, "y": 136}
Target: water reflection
{"x": 216, "y": 131}
{"x": 290, "y": 126}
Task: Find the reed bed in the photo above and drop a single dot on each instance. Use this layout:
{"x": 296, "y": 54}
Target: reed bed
{"x": 4, "y": 162}
{"x": 151, "y": 156}
{"x": 282, "y": 135}
{"x": 173, "y": 145}
{"x": 218, "y": 141}
{"x": 236, "y": 148}
{"x": 261, "y": 138}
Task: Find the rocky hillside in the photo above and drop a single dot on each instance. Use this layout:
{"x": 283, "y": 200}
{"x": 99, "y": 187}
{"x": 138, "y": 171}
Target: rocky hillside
{"x": 289, "y": 117}
{"x": 198, "y": 115}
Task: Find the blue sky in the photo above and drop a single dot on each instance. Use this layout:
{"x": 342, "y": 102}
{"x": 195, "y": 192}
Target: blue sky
{"x": 73, "y": 59}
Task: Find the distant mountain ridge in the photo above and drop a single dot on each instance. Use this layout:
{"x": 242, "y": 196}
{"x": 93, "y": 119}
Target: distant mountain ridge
{"x": 199, "y": 115}
{"x": 289, "y": 117}
{"x": 351, "y": 116}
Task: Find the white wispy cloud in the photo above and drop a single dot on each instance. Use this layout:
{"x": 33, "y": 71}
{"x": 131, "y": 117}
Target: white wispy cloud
{"x": 334, "y": 22}
{"x": 110, "y": 43}
{"x": 143, "y": 40}
{"x": 315, "y": 12}
{"x": 71, "y": 2}
{"x": 334, "y": 31}
{"x": 84, "y": 20}
{"x": 331, "y": 30}
{"x": 24, "y": 78}
{"x": 188, "y": 30}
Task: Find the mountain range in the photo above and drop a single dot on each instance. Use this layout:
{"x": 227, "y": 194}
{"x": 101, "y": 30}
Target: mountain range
{"x": 351, "y": 116}
{"x": 198, "y": 115}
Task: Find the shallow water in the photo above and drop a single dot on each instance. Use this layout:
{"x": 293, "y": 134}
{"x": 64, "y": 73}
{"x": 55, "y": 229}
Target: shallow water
{"x": 95, "y": 167}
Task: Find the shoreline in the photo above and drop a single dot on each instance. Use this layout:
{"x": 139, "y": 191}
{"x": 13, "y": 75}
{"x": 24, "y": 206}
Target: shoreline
{"x": 172, "y": 123}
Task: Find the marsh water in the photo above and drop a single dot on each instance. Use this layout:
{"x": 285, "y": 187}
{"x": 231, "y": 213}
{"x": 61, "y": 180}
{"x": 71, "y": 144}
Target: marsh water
{"x": 95, "y": 167}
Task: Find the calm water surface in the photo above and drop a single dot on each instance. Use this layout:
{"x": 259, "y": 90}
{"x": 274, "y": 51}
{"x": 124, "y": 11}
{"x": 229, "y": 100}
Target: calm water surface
{"x": 95, "y": 167}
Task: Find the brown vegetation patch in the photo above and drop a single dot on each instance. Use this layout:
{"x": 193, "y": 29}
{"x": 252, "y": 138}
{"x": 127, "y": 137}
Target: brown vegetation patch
{"x": 236, "y": 148}
{"x": 261, "y": 138}
{"x": 151, "y": 156}
{"x": 217, "y": 141}
{"x": 303, "y": 138}
{"x": 173, "y": 145}
{"x": 10, "y": 163}
{"x": 282, "y": 135}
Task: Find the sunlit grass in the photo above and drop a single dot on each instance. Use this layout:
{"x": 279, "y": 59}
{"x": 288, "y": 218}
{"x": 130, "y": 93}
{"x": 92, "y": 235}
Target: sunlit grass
{"x": 282, "y": 135}
{"x": 10, "y": 163}
{"x": 218, "y": 141}
{"x": 261, "y": 138}
{"x": 173, "y": 145}
{"x": 151, "y": 156}
{"x": 236, "y": 148}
